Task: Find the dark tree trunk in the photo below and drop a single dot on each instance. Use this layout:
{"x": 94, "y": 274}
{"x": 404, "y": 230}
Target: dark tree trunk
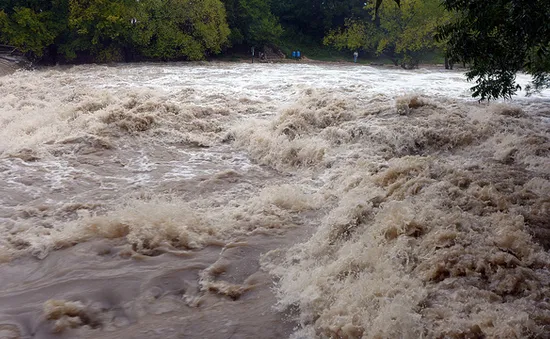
{"x": 449, "y": 63}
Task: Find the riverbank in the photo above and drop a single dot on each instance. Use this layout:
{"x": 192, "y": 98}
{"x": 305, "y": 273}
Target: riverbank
{"x": 432, "y": 62}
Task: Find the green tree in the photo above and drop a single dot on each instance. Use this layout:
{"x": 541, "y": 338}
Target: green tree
{"x": 402, "y": 31}
{"x": 99, "y": 28}
{"x": 158, "y": 29}
{"x": 498, "y": 39}
{"x": 32, "y": 26}
{"x": 314, "y": 18}
{"x": 377, "y": 5}
{"x": 107, "y": 30}
{"x": 183, "y": 29}
{"x": 252, "y": 23}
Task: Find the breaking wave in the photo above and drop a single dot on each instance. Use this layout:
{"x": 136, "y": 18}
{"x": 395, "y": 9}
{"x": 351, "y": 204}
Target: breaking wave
{"x": 56, "y": 114}
{"x": 428, "y": 214}
{"x": 437, "y": 218}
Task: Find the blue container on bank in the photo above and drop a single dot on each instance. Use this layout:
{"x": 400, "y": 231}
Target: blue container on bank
{"x": 293, "y": 54}
{"x": 298, "y": 54}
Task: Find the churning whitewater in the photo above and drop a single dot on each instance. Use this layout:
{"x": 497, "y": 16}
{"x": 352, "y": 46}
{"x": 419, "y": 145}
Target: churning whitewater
{"x": 270, "y": 201}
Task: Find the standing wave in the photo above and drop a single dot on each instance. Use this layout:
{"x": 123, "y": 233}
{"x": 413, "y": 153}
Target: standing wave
{"x": 437, "y": 217}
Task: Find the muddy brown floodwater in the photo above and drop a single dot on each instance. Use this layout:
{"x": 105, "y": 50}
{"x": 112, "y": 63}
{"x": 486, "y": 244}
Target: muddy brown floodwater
{"x": 270, "y": 201}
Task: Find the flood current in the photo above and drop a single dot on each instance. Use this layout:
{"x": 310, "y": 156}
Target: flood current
{"x": 227, "y": 200}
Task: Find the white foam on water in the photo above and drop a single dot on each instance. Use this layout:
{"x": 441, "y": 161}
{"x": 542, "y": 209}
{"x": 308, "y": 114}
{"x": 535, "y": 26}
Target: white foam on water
{"x": 427, "y": 210}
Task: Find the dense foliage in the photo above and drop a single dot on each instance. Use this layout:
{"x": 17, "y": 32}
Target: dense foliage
{"x": 105, "y": 30}
{"x": 403, "y": 31}
{"x": 112, "y": 30}
{"x": 252, "y": 22}
{"x": 32, "y": 26}
{"x": 498, "y": 38}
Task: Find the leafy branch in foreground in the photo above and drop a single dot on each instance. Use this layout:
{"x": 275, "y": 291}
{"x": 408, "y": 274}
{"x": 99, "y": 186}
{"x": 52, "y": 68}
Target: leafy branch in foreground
{"x": 498, "y": 39}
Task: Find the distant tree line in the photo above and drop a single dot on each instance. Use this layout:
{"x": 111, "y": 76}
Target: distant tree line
{"x": 114, "y": 30}
{"x": 403, "y": 31}
{"x": 495, "y": 38}
{"x": 117, "y": 30}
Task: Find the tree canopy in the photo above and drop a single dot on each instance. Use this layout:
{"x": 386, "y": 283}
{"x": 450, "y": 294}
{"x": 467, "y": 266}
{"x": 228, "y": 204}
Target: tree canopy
{"x": 498, "y": 39}
{"x": 100, "y": 30}
{"x": 32, "y": 26}
{"x": 401, "y": 30}
{"x": 252, "y": 22}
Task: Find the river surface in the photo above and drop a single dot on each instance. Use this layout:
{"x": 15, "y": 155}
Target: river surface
{"x": 225, "y": 200}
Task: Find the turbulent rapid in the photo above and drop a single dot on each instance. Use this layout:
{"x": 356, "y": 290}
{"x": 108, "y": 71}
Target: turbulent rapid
{"x": 270, "y": 201}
